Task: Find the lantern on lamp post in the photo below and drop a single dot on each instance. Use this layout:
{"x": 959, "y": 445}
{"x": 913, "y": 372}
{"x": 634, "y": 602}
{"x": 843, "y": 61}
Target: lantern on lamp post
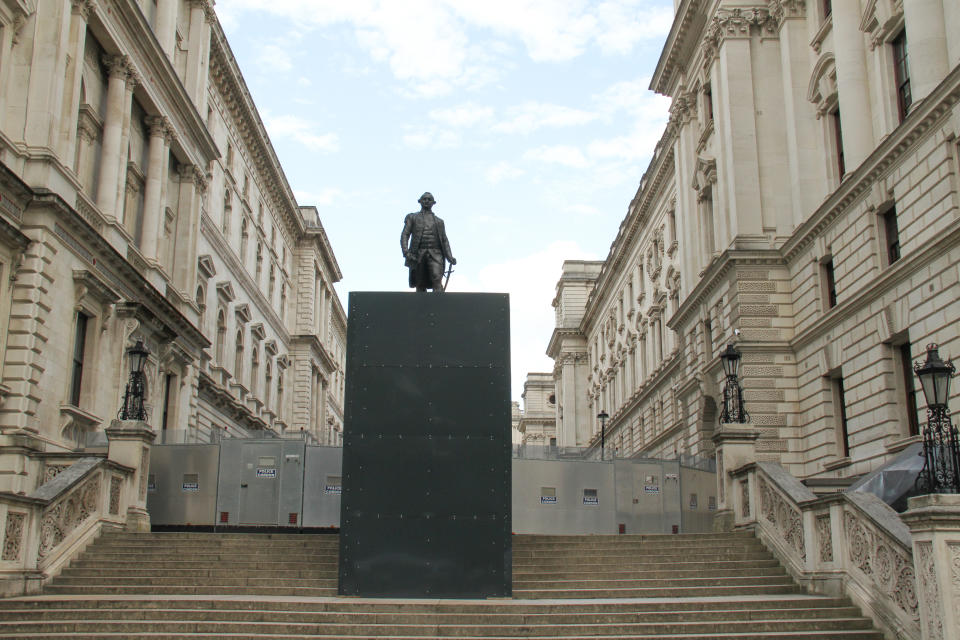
{"x": 941, "y": 444}
{"x": 733, "y": 411}
{"x": 132, "y": 408}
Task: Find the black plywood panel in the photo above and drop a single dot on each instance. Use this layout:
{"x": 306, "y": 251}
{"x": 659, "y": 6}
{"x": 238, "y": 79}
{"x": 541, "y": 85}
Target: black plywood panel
{"x": 425, "y": 509}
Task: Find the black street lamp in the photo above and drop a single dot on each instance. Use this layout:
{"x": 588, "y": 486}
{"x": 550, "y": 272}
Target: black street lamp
{"x": 132, "y": 408}
{"x": 733, "y": 410}
{"x": 941, "y": 444}
{"x": 602, "y": 416}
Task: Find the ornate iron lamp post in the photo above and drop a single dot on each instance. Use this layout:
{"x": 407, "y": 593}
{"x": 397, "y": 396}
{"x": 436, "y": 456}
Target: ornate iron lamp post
{"x": 132, "y": 408}
{"x": 602, "y": 416}
{"x": 733, "y": 410}
{"x": 941, "y": 444}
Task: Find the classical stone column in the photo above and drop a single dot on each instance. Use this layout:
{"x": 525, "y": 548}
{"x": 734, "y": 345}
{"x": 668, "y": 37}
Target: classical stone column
{"x": 926, "y": 45}
{"x": 808, "y": 171}
{"x": 47, "y": 73}
{"x": 198, "y": 51}
{"x": 118, "y": 68}
{"x": 854, "y": 95}
{"x": 951, "y": 21}
{"x": 129, "y": 444}
{"x": 80, "y": 12}
{"x": 123, "y": 157}
{"x": 934, "y": 522}
{"x": 192, "y": 184}
{"x": 166, "y": 26}
{"x": 152, "y": 207}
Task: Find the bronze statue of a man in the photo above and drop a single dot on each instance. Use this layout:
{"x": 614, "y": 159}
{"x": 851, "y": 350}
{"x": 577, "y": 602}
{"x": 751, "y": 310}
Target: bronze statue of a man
{"x": 425, "y": 247}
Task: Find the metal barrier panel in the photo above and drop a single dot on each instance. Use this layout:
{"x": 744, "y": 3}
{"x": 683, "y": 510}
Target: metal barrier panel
{"x": 426, "y": 451}
{"x": 648, "y": 493}
{"x": 563, "y": 497}
{"x": 322, "y": 486}
{"x": 182, "y": 484}
{"x": 261, "y": 482}
{"x": 698, "y": 490}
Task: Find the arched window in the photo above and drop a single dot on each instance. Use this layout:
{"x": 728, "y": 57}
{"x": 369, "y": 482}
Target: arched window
{"x": 283, "y": 302}
{"x": 244, "y": 236}
{"x": 268, "y": 385}
{"x": 259, "y": 268}
{"x": 201, "y": 304}
{"x": 254, "y": 369}
{"x": 221, "y": 335}
{"x": 279, "y": 395}
{"x": 227, "y": 211}
{"x": 273, "y": 282}
{"x": 238, "y": 359}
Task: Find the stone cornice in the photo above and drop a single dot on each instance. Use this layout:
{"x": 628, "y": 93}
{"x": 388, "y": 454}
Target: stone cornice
{"x": 225, "y": 72}
{"x": 117, "y": 269}
{"x": 558, "y": 335}
{"x": 718, "y": 268}
{"x": 901, "y": 271}
{"x": 312, "y": 342}
{"x": 658, "y": 175}
{"x": 314, "y": 230}
{"x": 923, "y": 117}
{"x": 164, "y": 91}
{"x": 680, "y": 45}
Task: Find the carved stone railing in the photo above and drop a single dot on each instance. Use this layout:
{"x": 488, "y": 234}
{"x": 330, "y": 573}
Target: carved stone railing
{"x": 847, "y": 544}
{"x": 43, "y": 531}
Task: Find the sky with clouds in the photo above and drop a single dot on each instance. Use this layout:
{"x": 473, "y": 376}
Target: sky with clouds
{"x": 530, "y": 121}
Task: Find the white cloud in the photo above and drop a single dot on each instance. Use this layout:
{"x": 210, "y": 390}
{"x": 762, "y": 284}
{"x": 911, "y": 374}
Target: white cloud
{"x": 502, "y": 171}
{"x": 565, "y": 155}
{"x": 464, "y": 115}
{"x": 583, "y": 209}
{"x": 324, "y": 198}
{"x": 273, "y": 58}
{"x": 302, "y": 131}
{"x": 431, "y": 138}
{"x": 530, "y": 116}
{"x": 531, "y": 281}
{"x": 437, "y": 45}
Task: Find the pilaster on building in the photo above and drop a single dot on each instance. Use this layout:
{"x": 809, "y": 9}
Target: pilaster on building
{"x": 802, "y": 203}
{"x": 141, "y": 200}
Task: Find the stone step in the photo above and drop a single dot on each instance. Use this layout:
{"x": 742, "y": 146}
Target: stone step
{"x": 629, "y": 537}
{"x": 777, "y": 635}
{"x": 644, "y": 545}
{"x": 393, "y": 630}
{"x": 425, "y": 617}
{"x": 656, "y": 592}
{"x": 242, "y": 580}
{"x": 393, "y": 606}
{"x": 113, "y": 589}
{"x": 112, "y": 570}
{"x": 332, "y": 538}
{"x": 618, "y": 558}
{"x": 235, "y": 565}
{"x": 545, "y": 574}
{"x": 640, "y": 583}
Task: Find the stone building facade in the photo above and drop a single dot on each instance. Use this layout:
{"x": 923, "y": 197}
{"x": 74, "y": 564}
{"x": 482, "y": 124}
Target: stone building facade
{"x": 537, "y": 422}
{"x": 805, "y": 193}
{"x": 140, "y": 199}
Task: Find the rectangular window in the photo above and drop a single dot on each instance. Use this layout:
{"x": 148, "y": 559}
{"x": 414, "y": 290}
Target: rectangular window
{"x": 708, "y": 103}
{"x": 901, "y": 74}
{"x": 840, "y": 412}
{"x": 838, "y": 143}
{"x": 79, "y": 345}
{"x": 829, "y": 283}
{"x": 909, "y": 392}
{"x": 827, "y": 7}
{"x": 891, "y": 235}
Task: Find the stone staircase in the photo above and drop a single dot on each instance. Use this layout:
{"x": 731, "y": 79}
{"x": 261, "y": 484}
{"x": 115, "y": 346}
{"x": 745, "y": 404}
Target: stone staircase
{"x": 262, "y": 586}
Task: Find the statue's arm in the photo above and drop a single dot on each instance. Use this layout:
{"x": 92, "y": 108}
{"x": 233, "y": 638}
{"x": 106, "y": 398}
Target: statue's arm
{"x": 446, "y": 244}
{"x": 405, "y": 234}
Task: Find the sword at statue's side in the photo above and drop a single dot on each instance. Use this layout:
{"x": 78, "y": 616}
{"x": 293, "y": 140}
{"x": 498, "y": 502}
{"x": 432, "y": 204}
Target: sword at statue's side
{"x": 447, "y": 279}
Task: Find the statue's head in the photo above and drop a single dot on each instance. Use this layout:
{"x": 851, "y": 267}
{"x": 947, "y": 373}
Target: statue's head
{"x": 426, "y": 200}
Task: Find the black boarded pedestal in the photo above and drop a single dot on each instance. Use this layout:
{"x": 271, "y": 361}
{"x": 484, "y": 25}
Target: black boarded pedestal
{"x": 425, "y": 510}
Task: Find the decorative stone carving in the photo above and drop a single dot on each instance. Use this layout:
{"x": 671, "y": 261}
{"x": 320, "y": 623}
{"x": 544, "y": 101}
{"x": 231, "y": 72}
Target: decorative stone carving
{"x": 824, "y": 538}
{"x": 954, "y": 549}
{"x": 783, "y": 516}
{"x": 51, "y": 471}
{"x": 782, "y": 9}
{"x": 115, "y": 484}
{"x": 927, "y": 581}
{"x": 13, "y": 536}
{"x": 890, "y": 569}
{"x": 65, "y": 515}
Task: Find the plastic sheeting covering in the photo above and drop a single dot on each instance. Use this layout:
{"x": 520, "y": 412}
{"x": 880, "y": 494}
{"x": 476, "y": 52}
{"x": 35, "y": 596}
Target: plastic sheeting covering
{"x": 895, "y": 481}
